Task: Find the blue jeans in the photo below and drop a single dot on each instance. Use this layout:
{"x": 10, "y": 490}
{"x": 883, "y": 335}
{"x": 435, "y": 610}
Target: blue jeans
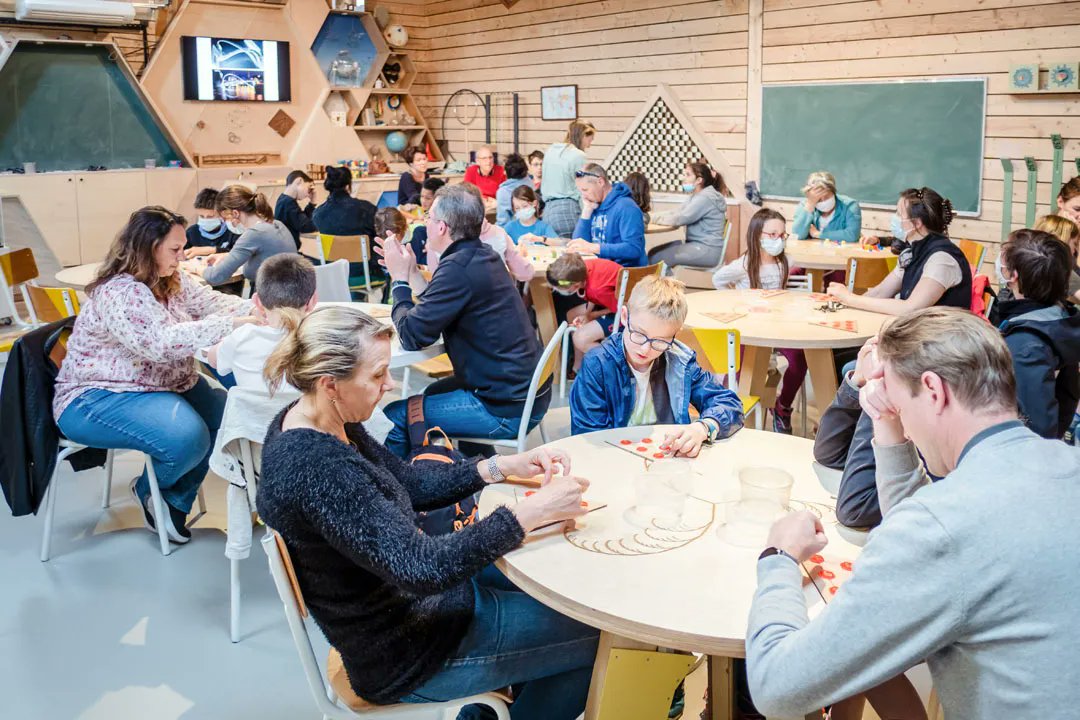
{"x": 177, "y": 430}
{"x": 459, "y": 413}
{"x": 515, "y": 640}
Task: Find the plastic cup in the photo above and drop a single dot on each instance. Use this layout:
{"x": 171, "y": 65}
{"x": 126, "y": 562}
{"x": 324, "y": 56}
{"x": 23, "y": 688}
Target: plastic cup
{"x": 29, "y": 168}
{"x": 150, "y": 163}
{"x": 764, "y": 495}
{"x": 660, "y": 494}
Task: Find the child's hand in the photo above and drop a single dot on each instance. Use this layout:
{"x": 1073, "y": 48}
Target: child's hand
{"x": 687, "y": 441}
{"x": 579, "y": 321}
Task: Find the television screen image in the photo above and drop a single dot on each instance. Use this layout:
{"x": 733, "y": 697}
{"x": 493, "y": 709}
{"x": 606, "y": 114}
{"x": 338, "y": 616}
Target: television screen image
{"x": 227, "y": 69}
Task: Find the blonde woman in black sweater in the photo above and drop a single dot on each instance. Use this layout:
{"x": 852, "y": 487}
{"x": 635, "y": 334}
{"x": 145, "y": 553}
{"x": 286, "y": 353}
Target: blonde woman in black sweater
{"x": 415, "y": 617}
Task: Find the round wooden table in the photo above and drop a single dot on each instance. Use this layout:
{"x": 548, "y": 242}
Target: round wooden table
{"x": 783, "y": 321}
{"x": 79, "y": 276}
{"x": 542, "y": 256}
{"x": 684, "y": 589}
{"x": 821, "y": 256}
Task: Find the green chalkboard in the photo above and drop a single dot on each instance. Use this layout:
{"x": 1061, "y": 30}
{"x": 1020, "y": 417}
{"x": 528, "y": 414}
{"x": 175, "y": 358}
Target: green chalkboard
{"x": 876, "y": 138}
{"x": 70, "y": 106}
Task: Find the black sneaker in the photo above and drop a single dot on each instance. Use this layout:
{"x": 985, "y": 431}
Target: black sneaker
{"x": 781, "y": 422}
{"x": 145, "y": 505}
{"x": 176, "y": 526}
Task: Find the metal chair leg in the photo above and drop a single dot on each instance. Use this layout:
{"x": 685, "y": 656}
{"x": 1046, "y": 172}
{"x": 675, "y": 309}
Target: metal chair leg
{"x": 160, "y": 511}
{"x": 234, "y": 600}
{"x": 50, "y": 506}
{"x": 106, "y": 492}
{"x": 405, "y": 377}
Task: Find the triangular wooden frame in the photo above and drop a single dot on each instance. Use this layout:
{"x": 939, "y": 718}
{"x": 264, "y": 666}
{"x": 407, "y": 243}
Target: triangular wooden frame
{"x": 715, "y": 157}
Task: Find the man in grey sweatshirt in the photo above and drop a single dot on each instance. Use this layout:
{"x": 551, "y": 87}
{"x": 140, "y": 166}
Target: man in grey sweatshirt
{"x": 976, "y": 574}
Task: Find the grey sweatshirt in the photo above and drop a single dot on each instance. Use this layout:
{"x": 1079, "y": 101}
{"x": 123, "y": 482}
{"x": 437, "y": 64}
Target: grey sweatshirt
{"x": 255, "y": 245}
{"x": 703, "y": 215}
{"x": 976, "y": 574}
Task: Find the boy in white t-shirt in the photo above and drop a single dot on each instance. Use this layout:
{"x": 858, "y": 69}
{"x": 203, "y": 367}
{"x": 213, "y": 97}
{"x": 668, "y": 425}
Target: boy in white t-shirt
{"x": 286, "y": 284}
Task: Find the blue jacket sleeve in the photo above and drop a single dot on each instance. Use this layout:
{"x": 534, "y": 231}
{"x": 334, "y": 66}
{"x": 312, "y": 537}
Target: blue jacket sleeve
{"x": 800, "y": 226}
{"x": 715, "y": 402}
{"x": 420, "y": 325}
{"x": 851, "y": 229}
{"x": 590, "y": 408}
{"x": 857, "y": 504}
{"x": 629, "y": 249}
{"x": 1036, "y": 380}
{"x": 583, "y": 229}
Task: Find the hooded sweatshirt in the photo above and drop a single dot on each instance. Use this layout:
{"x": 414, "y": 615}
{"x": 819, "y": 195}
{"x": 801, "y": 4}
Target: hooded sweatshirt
{"x": 1045, "y": 344}
{"x": 703, "y": 215}
{"x": 618, "y": 226}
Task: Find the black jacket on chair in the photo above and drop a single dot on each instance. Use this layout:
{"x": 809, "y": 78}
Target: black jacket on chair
{"x": 29, "y": 438}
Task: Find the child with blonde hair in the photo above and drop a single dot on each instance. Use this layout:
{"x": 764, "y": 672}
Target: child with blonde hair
{"x": 642, "y": 375}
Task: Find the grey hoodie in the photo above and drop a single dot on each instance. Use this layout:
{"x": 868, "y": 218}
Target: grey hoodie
{"x": 703, "y": 215}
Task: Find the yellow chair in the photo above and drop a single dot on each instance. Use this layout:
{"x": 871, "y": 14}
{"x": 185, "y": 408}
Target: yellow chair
{"x": 973, "y": 251}
{"x": 628, "y": 280}
{"x": 355, "y": 249}
{"x": 49, "y": 304}
{"x": 720, "y": 352}
{"x": 866, "y": 273}
{"x": 17, "y": 268}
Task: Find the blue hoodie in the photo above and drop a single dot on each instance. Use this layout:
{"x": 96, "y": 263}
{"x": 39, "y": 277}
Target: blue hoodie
{"x": 618, "y": 226}
{"x": 602, "y": 397}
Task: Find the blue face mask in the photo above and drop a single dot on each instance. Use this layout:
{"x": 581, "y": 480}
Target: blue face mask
{"x": 896, "y": 226}
{"x": 209, "y": 224}
{"x": 688, "y": 187}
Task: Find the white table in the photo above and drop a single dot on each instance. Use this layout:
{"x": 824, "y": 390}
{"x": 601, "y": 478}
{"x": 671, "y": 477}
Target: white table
{"x": 79, "y": 276}
{"x": 399, "y": 356}
{"x": 692, "y": 592}
{"x": 783, "y": 321}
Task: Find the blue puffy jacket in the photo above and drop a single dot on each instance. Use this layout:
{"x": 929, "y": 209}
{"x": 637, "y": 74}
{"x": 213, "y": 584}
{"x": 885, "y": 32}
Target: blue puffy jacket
{"x": 602, "y": 397}
{"x": 619, "y": 227}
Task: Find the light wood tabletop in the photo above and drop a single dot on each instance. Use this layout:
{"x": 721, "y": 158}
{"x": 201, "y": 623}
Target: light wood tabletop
{"x": 821, "y": 256}
{"x": 542, "y": 256}
{"x": 79, "y": 276}
{"x": 680, "y": 586}
{"x": 785, "y": 320}
{"x": 399, "y": 356}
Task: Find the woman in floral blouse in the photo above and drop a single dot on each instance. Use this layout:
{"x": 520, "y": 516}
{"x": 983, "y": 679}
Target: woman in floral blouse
{"x": 129, "y": 378}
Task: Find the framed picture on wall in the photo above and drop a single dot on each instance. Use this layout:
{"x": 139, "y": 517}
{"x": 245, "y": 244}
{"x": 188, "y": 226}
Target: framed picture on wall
{"x": 558, "y": 102}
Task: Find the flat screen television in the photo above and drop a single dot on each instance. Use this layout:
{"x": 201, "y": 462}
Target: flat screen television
{"x": 229, "y": 69}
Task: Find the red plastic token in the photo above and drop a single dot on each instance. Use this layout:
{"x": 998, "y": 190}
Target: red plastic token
{"x": 529, "y": 492}
{"x": 665, "y": 447}
{"x": 833, "y": 589}
{"x": 646, "y": 440}
{"x": 584, "y": 504}
{"x": 846, "y": 565}
{"x": 658, "y": 455}
{"x": 625, "y": 442}
{"x": 827, "y": 574}
{"x": 817, "y": 559}
{"x": 642, "y": 449}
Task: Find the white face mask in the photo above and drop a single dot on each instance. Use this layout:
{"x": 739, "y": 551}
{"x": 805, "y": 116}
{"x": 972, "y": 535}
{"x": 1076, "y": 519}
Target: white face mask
{"x": 235, "y": 228}
{"x": 525, "y": 213}
{"x": 826, "y": 206}
{"x": 1002, "y": 280}
{"x": 772, "y": 245}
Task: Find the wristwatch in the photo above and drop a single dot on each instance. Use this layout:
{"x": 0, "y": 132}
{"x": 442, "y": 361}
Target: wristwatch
{"x": 493, "y": 469}
{"x": 770, "y": 551}
{"x": 711, "y": 430}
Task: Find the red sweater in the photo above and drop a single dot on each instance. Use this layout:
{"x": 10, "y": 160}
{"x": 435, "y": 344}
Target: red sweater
{"x": 601, "y": 279}
{"x": 488, "y": 184}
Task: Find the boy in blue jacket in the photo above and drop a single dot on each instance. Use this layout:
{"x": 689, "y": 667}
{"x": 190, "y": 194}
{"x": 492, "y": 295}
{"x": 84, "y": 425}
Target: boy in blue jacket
{"x": 611, "y": 223}
{"x": 644, "y": 376}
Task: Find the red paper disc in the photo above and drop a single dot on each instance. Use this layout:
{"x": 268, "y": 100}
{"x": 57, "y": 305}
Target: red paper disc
{"x": 817, "y": 559}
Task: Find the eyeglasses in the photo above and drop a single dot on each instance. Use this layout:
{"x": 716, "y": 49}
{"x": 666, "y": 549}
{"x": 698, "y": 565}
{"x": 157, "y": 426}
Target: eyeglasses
{"x": 637, "y": 338}
{"x": 581, "y": 174}
{"x": 781, "y": 236}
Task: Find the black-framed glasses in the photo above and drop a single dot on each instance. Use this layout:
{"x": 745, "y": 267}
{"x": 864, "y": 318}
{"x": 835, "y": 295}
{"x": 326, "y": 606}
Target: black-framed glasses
{"x": 583, "y": 173}
{"x": 657, "y": 344}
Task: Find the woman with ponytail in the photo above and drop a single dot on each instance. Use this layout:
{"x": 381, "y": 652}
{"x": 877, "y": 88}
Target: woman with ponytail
{"x": 248, "y": 214}
{"x": 410, "y": 612}
{"x": 931, "y": 271}
{"x": 703, "y": 214}
{"x": 286, "y": 294}
{"x": 129, "y": 381}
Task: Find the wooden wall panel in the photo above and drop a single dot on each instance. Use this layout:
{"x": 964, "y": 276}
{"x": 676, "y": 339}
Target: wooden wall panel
{"x": 615, "y": 51}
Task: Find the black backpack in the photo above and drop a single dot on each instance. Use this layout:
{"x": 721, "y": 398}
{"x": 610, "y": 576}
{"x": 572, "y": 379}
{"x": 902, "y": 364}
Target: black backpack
{"x": 440, "y": 450}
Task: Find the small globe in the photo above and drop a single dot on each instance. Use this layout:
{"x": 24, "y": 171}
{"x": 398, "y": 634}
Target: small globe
{"x": 396, "y": 141}
{"x": 396, "y": 35}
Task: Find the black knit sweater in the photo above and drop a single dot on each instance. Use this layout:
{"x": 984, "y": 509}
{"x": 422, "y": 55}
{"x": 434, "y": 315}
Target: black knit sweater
{"x": 393, "y": 601}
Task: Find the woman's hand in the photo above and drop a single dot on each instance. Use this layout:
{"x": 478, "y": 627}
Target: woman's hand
{"x": 215, "y": 258}
{"x": 814, "y": 232}
{"x": 583, "y": 247}
{"x": 687, "y": 441}
{"x": 839, "y": 291}
{"x": 556, "y": 501}
{"x": 194, "y": 252}
{"x": 869, "y": 241}
{"x": 536, "y": 462}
